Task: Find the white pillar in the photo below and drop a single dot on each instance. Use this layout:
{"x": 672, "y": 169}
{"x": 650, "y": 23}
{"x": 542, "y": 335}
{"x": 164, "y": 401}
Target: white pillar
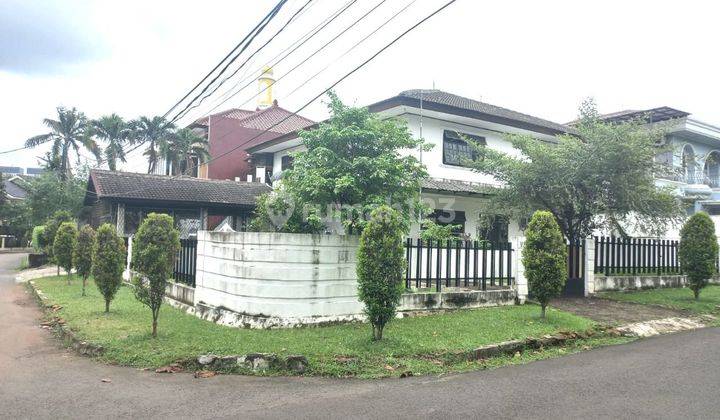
{"x": 127, "y": 274}
{"x": 521, "y": 284}
{"x": 589, "y": 266}
{"x": 203, "y": 219}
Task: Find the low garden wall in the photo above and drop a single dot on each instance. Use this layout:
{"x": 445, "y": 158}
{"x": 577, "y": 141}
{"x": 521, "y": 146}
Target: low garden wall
{"x": 263, "y": 280}
{"x": 638, "y": 282}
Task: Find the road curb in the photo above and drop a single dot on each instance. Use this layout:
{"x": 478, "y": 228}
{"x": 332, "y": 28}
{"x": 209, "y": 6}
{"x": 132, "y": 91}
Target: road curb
{"x": 68, "y": 336}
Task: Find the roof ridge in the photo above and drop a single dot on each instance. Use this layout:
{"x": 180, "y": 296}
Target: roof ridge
{"x": 166, "y": 177}
{"x": 480, "y": 102}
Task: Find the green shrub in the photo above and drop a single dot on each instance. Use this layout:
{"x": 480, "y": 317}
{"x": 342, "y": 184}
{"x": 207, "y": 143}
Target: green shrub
{"x": 64, "y": 246}
{"x": 544, "y": 258}
{"x": 51, "y": 228}
{"x": 279, "y": 211}
{"x": 380, "y": 267}
{"x": 38, "y": 238}
{"x": 435, "y": 232}
{"x": 108, "y": 262}
{"x": 698, "y": 251}
{"x": 83, "y": 255}
{"x": 155, "y": 247}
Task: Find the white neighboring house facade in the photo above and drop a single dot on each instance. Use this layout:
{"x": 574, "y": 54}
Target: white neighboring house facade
{"x": 693, "y": 160}
{"x": 454, "y": 191}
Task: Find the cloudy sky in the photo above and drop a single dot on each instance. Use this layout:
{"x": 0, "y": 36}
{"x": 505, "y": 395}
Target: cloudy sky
{"x": 137, "y": 57}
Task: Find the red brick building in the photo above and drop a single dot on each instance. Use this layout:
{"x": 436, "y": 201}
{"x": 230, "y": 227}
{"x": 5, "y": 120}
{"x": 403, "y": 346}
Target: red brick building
{"x": 230, "y": 132}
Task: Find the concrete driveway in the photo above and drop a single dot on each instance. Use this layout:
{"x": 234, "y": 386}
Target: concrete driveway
{"x": 675, "y": 376}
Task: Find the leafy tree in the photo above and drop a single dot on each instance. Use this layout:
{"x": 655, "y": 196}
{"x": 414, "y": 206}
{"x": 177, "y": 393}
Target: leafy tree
{"x": 181, "y": 148}
{"x": 113, "y": 130}
{"x": 544, "y": 258}
{"x": 380, "y": 267}
{"x": 48, "y": 194}
{"x": 82, "y": 257}
{"x": 38, "y": 238}
{"x": 155, "y": 247}
{"x": 108, "y": 262}
{"x": 154, "y": 132}
{"x": 353, "y": 164}
{"x": 15, "y": 217}
{"x": 602, "y": 177}
{"x": 64, "y": 246}
{"x": 68, "y": 134}
{"x": 698, "y": 251}
{"x": 435, "y": 232}
{"x": 3, "y": 193}
{"x": 277, "y": 211}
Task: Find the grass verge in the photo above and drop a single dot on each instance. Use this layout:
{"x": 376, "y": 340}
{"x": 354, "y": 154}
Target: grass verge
{"x": 675, "y": 298}
{"x": 420, "y": 345}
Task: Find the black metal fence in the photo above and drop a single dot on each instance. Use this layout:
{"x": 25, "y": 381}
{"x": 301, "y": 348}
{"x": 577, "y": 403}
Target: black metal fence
{"x": 575, "y": 284}
{"x": 622, "y": 256}
{"x": 458, "y": 264}
{"x": 186, "y": 262}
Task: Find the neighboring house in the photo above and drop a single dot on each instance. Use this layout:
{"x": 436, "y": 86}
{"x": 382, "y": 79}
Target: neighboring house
{"x": 443, "y": 119}
{"x": 16, "y": 187}
{"x": 16, "y": 170}
{"x": 693, "y": 160}
{"x": 231, "y": 132}
{"x": 124, "y": 199}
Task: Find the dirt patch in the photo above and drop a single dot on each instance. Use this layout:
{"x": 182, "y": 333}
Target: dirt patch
{"x": 612, "y": 312}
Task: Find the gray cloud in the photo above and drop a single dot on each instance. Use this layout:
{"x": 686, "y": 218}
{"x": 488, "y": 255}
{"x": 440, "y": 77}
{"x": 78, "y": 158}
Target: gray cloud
{"x": 44, "y": 37}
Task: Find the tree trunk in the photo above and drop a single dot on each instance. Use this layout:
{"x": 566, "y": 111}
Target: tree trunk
{"x": 697, "y": 294}
{"x": 84, "y": 282}
{"x": 58, "y": 270}
{"x": 154, "y": 328}
{"x": 68, "y": 278}
{"x": 107, "y": 306}
{"x": 542, "y": 310}
{"x": 377, "y": 332}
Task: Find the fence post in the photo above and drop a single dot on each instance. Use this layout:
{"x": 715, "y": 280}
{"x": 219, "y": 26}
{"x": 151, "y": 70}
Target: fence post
{"x": 589, "y": 266}
{"x": 518, "y": 269}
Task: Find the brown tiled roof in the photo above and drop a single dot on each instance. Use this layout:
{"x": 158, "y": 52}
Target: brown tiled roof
{"x": 236, "y": 113}
{"x": 264, "y": 119}
{"x": 456, "y": 186}
{"x": 162, "y": 188}
{"x": 439, "y": 97}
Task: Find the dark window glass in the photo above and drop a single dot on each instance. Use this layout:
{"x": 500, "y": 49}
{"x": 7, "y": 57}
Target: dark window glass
{"x": 133, "y": 217}
{"x": 286, "y": 162}
{"x": 494, "y": 229}
{"x": 456, "y": 151}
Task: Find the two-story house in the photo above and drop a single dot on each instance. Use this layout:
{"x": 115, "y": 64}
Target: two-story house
{"x": 693, "y": 158}
{"x": 443, "y": 120}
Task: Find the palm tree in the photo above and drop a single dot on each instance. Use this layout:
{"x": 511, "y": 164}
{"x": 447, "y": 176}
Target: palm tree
{"x": 184, "y": 151}
{"x": 155, "y": 132}
{"x": 115, "y": 132}
{"x": 68, "y": 133}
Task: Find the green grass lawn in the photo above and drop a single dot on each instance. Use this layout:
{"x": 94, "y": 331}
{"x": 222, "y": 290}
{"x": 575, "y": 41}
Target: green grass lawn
{"x": 421, "y": 345}
{"x": 676, "y": 298}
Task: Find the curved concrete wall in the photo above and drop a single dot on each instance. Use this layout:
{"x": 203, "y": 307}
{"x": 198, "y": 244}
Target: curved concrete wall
{"x": 278, "y": 275}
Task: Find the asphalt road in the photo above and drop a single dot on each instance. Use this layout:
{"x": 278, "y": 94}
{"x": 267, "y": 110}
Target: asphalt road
{"x": 674, "y": 376}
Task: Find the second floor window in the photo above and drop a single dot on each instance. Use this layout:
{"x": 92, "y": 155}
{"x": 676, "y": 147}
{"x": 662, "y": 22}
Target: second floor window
{"x": 456, "y": 151}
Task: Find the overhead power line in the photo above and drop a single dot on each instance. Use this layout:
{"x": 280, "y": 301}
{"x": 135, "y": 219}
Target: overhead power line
{"x": 272, "y": 12}
{"x": 202, "y": 94}
{"x": 290, "y": 50}
{"x": 340, "y": 80}
{"x": 313, "y": 54}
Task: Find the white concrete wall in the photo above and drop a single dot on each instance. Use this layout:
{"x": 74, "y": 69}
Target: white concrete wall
{"x": 278, "y": 275}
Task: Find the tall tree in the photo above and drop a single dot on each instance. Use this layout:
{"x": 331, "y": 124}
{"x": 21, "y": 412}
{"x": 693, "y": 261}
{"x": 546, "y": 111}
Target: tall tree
{"x": 114, "y": 131}
{"x": 180, "y": 149}
{"x": 354, "y": 164}
{"x": 154, "y": 132}
{"x": 68, "y": 134}
{"x": 603, "y": 176}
